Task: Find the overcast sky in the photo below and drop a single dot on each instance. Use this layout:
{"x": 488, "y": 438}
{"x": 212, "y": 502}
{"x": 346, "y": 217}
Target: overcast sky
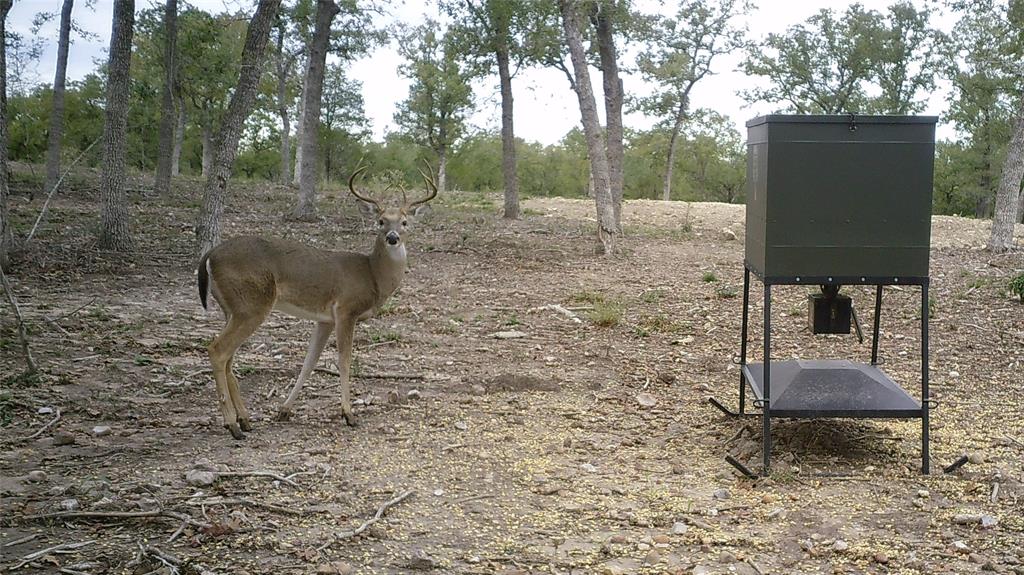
{"x": 545, "y": 107}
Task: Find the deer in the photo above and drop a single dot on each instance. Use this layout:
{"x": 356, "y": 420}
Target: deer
{"x": 249, "y": 276}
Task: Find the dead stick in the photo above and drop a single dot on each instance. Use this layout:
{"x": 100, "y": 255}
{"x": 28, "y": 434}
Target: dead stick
{"x": 25, "y": 539}
{"x": 43, "y": 428}
{"x": 1014, "y": 440}
{"x": 22, "y": 333}
{"x": 250, "y": 503}
{"x": 55, "y": 549}
{"x": 118, "y": 515}
{"x": 276, "y": 476}
{"x": 177, "y": 532}
{"x": 366, "y": 524}
{"x": 49, "y": 196}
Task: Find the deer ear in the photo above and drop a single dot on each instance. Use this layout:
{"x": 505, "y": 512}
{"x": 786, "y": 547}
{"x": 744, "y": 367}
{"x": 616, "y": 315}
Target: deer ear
{"x": 368, "y": 210}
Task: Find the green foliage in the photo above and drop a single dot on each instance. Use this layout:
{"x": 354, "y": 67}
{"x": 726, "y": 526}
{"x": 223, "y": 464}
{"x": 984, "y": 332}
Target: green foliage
{"x": 1017, "y": 286}
{"x": 709, "y": 277}
{"x": 605, "y": 314}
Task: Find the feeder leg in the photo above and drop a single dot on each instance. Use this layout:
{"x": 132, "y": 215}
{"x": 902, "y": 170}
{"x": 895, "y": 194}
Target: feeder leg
{"x": 743, "y": 338}
{"x": 766, "y": 414}
{"x": 878, "y": 320}
{"x": 925, "y": 400}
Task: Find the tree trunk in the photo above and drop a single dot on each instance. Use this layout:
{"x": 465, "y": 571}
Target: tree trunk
{"x": 56, "y": 135}
{"x": 612, "y": 104}
{"x": 283, "y": 68}
{"x": 673, "y": 145}
{"x": 1005, "y": 216}
{"x": 206, "y": 134}
{"x": 179, "y": 138}
{"x": 606, "y": 228}
{"x": 114, "y": 231}
{"x": 168, "y": 115}
{"x": 442, "y": 170}
{"x": 298, "y": 128}
{"x": 6, "y": 234}
{"x": 256, "y": 39}
{"x": 508, "y": 138}
{"x": 326, "y": 10}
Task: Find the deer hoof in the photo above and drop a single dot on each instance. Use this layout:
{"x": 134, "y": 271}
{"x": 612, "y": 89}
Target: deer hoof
{"x": 283, "y": 415}
{"x": 350, "y": 420}
{"x": 235, "y": 430}
{"x": 245, "y": 425}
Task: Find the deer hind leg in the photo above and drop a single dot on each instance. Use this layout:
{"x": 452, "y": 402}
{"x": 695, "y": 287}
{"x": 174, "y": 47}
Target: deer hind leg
{"x": 345, "y": 330}
{"x": 222, "y": 351}
{"x": 317, "y": 342}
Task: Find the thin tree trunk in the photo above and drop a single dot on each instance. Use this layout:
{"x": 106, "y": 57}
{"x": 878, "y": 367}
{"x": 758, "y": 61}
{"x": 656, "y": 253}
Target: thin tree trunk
{"x": 56, "y": 135}
{"x": 1005, "y": 216}
{"x": 114, "y": 232}
{"x": 326, "y": 10}
{"x": 508, "y": 138}
{"x": 673, "y": 145}
{"x": 6, "y": 234}
{"x": 179, "y": 138}
{"x": 606, "y": 228}
{"x": 442, "y": 170}
{"x": 206, "y": 135}
{"x": 298, "y": 128}
{"x": 283, "y": 72}
{"x": 168, "y": 115}
{"x": 612, "y": 104}
{"x": 256, "y": 39}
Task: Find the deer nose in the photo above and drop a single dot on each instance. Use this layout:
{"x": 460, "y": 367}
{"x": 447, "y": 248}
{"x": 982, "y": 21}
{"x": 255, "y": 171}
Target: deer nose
{"x": 392, "y": 238}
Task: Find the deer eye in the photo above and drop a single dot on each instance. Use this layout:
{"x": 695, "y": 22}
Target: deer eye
{"x": 380, "y": 223}
{"x": 404, "y": 223}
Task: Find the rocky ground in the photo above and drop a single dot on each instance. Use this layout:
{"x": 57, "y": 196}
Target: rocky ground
{"x": 523, "y": 407}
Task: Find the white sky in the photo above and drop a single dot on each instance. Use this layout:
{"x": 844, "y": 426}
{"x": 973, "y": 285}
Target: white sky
{"x": 545, "y": 107}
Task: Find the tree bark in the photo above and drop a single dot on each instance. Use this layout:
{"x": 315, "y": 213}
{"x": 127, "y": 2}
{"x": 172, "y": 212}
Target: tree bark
{"x": 283, "y": 69}
{"x": 242, "y": 99}
{"x": 442, "y": 170}
{"x": 179, "y": 138}
{"x": 168, "y": 115}
{"x": 612, "y": 103}
{"x": 673, "y": 144}
{"x": 6, "y": 234}
{"x": 606, "y": 228}
{"x": 1007, "y": 197}
{"x": 298, "y": 128}
{"x": 114, "y": 231}
{"x": 326, "y": 10}
{"x": 508, "y": 138}
{"x": 56, "y": 135}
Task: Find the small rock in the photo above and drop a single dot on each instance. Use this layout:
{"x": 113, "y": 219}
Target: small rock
{"x": 961, "y": 547}
{"x": 653, "y": 557}
{"x": 976, "y": 458}
{"x": 513, "y": 334}
{"x": 721, "y": 494}
{"x": 726, "y": 558}
{"x": 413, "y": 394}
{"x": 954, "y": 374}
{"x": 661, "y": 539}
{"x": 839, "y": 546}
{"x": 335, "y": 568}
{"x": 478, "y": 389}
{"x": 63, "y": 438}
{"x": 646, "y": 400}
{"x": 45, "y": 410}
{"x": 881, "y": 558}
{"x": 923, "y": 493}
{"x": 461, "y": 425}
{"x": 619, "y": 539}
{"x": 148, "y": 504}
{"x": 728, "y": 234}
{"x": 680, "y": 528}
{"x": 200, "y": 477}
{"x": 101, "y": 431}
{"x": 69, "y": 505}
{"x": 588, "y": 468}
{"x": 420, "y": 560}
{"x": 36, "y": 476}
{"x": 701, "y": 570}
{"x": 976, "y": 558}
{"x": 989, "y": 566}
{"x": 988, "y": 521}
{"x": 393, "y": 397}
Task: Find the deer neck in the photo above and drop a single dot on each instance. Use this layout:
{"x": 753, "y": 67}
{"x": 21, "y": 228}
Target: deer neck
{"x": 388, "y": 265}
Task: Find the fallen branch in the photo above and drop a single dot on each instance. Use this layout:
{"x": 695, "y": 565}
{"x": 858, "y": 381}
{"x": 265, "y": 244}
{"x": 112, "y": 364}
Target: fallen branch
{"x": 366, "y": 524}
{"x": 42, "y": 429}
{"x": 559, "y": 309}
{"x": 21, "y": 540}
{"x": 160, "y": 513}
{"x": 49, "y": 196}
{"x": 250, "y": 503}
{"x": 62, "y": 548}
{"x": 271, "y": 474}
{"x": 22, "y": 333}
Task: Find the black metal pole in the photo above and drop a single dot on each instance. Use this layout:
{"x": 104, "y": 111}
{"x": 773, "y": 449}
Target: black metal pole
{"x": 878, "y": 321}
{"x": 743, "y": 338}
{"x": 766, "y": 416}
{"x": 924, "y": 378}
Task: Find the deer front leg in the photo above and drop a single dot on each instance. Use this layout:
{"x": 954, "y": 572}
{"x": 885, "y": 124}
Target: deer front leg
{"x": 316, "y": 347}
{"x": 345, "y": 327}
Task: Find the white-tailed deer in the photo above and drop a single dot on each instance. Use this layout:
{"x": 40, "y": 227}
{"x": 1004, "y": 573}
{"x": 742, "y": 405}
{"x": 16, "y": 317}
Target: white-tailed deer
{"x": 250, "y": 276}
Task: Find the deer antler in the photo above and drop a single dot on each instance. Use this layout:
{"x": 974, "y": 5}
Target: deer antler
{"x": 352, "y": 188}
{"x": 431, "y": 185}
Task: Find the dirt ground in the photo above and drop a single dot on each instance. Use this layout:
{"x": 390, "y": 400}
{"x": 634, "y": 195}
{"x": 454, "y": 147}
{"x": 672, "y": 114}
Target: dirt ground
{"x": 581, "y": 444}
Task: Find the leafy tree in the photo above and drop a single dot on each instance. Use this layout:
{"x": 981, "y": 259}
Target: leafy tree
{"x": 440, "y": 98}
{"x": 114, "y": 231}
{"x": 684, "y": 49}
{"x": 168, "y": 96}
{"x": 57, "y": 114}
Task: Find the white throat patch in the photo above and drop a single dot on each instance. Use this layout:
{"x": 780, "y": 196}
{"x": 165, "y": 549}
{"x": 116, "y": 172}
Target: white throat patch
{"x": 396, "y": 252}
